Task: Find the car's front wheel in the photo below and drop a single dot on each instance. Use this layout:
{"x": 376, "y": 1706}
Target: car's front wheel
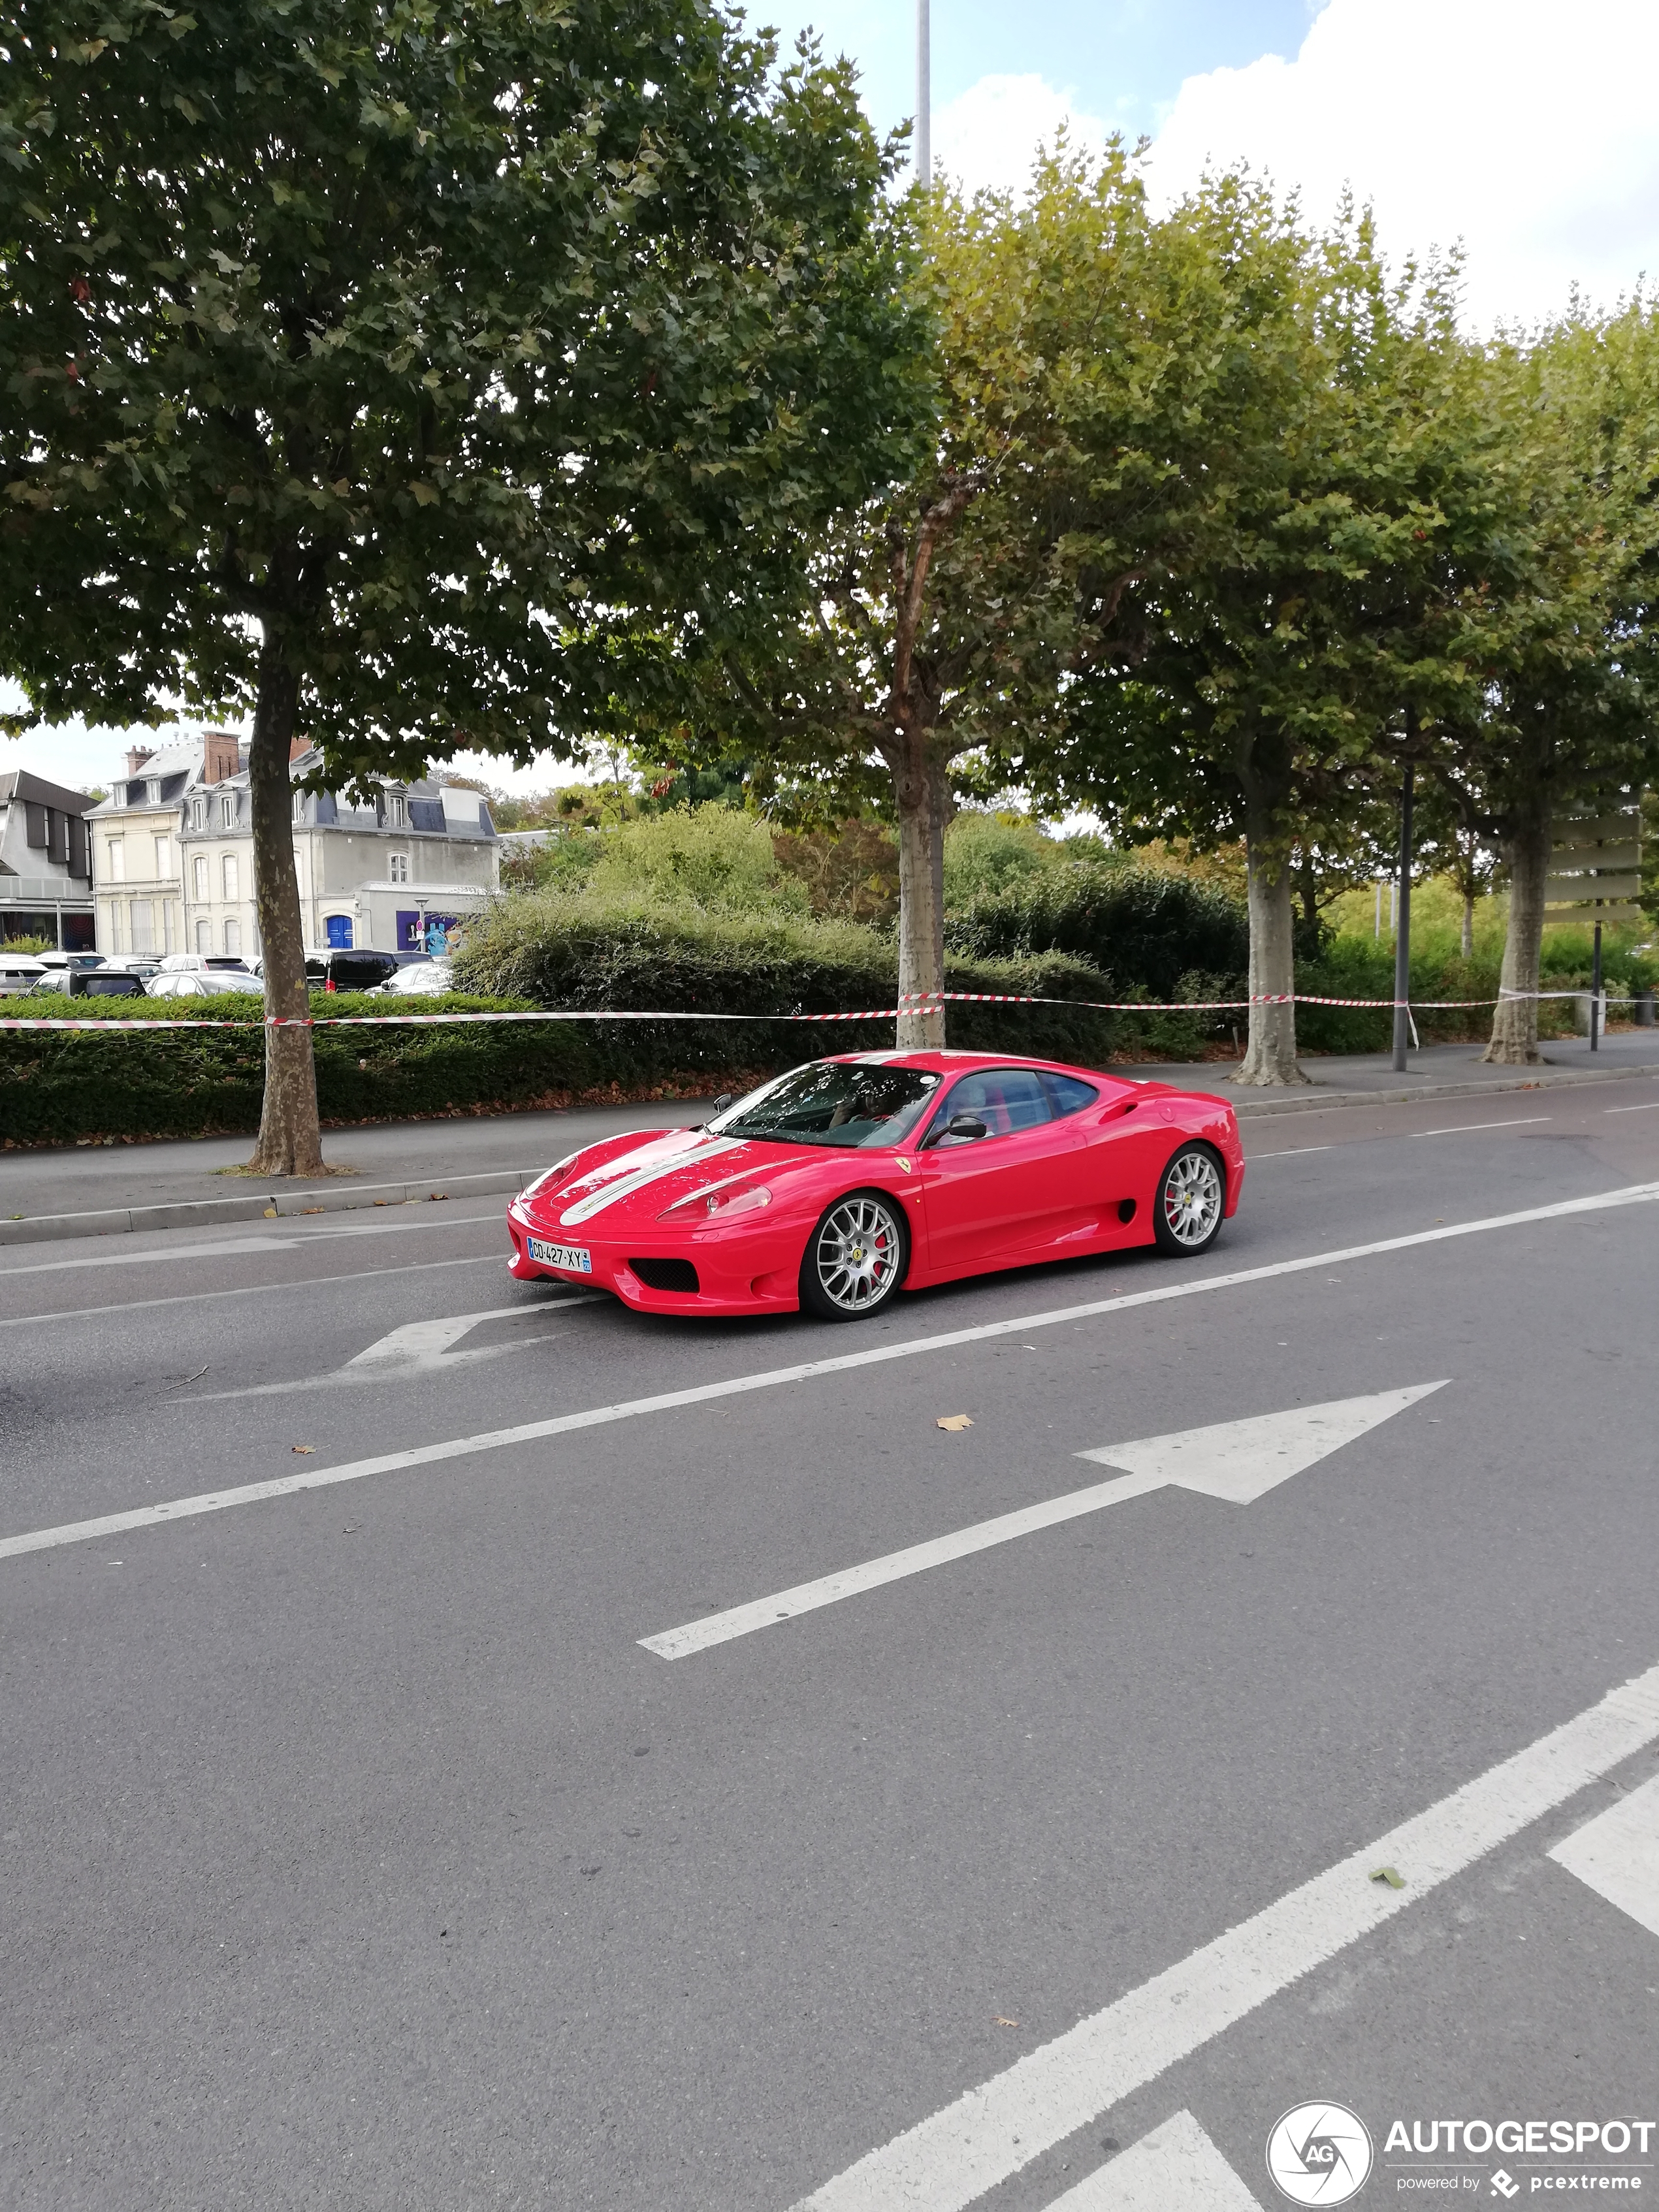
{"x": 855, "y": 1258}
{"x": 1191, "y": 1199}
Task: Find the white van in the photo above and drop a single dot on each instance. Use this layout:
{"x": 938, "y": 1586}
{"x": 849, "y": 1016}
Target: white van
{"x": 19, "y": 971}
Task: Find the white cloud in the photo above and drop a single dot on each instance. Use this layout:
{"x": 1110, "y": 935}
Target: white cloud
{"x": 1523, "y": 128}
{"x": 987, "y": 139}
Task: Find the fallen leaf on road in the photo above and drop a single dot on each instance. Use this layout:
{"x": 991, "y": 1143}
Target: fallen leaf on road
{"x": 271, "y": 1214}
{"x": 954, "y": 1422}
{"x": 1007, "y": 2023}
{"x": 302, "y": 1447}
{"x": 1387, "y": 1874}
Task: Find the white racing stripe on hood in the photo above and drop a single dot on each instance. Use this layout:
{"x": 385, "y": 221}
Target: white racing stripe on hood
{"x": 655, "y": 1170}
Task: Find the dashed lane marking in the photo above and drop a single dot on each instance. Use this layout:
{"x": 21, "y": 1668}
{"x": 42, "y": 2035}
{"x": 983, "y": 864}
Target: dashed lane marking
{"x": 950, "y": 2160}
{"x": 1176, "y": 2168}
{"x": 1616, "y": 1854}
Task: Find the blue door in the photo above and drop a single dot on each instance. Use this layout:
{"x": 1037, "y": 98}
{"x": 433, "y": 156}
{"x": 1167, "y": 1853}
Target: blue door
{"x": 339, "y": 933}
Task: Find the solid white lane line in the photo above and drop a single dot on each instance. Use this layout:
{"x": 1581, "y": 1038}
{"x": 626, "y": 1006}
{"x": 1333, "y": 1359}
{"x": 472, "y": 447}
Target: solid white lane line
{"x": 1465, "y": 1129}
{"x": 971, "y": 2146}
{"x": 1616, "y": 1854}
{"x": 961, "y": 1543}
{"x": 1237, "y": 1460}
{"x": 1651, "y": 1106}
{"x": 291, "y": 1240}
{"x": 252, "y": 1290}
{"x": 1176, "y": 2168}
{"x": 1292, "y": 1152}
{"x": 178, "y": 1508}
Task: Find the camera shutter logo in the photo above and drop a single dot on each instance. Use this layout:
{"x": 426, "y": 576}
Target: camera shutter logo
{"x": 1320, "y": 2153}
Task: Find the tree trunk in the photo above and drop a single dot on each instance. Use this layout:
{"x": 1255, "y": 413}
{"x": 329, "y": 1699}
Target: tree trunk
{"x": 922, "y": 802}
{"x": 1270, "y": 1057}
{"x": 1514, "y": 1022}
{"x": 1469, "y": 925}
{"x": 290, "y": 1142}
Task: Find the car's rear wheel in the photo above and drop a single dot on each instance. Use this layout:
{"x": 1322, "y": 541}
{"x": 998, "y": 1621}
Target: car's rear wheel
{"x": 1192, "y": 1197}
{"x": 855, "y": 1258}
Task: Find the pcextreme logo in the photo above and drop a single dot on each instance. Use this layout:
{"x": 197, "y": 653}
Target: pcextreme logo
{"x": 1319, "y": 2154}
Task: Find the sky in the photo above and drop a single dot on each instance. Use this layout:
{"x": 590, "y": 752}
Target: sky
{"x": 1521, "y": 129}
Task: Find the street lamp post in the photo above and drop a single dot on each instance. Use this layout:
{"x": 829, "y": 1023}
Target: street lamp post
{"x": 1402, "y": 940}
{"x": 924, "y": 97}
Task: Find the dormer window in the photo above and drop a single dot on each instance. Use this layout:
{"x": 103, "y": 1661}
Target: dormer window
{"x": 198, "y": 814}
{"x": 399, "y": 811}
{"x": 152, "y": 793}
{"x": 298, "y": 806}
{"x": 227, "y": 811}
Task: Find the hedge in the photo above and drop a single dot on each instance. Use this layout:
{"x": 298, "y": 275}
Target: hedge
{"x": 65, "y": 1086}
{"x": 1143, "y": 928}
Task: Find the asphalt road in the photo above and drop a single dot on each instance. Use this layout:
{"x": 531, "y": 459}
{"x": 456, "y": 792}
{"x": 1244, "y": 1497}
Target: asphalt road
{"x": 355, "y": 1852}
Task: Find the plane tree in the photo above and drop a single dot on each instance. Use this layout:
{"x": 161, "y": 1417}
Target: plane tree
{"x": 1102, "y": 379}
{"x": 364, "y": 360}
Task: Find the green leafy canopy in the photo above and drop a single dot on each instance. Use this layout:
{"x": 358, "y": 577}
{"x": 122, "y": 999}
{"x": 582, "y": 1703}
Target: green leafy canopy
{"x": 414, "y": 339}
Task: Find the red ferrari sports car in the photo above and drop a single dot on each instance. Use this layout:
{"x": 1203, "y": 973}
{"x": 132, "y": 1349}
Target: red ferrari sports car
{"x": 833, "y": 1186}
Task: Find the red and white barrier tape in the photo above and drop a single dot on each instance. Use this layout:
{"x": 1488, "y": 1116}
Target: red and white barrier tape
{"x": 909, "y": 1002}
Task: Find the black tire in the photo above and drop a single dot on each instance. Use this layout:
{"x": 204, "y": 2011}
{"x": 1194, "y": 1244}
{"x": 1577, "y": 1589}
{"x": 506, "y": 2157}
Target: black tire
{"x": 855, "y": 1258}
{"x": 1192, "y": 1200}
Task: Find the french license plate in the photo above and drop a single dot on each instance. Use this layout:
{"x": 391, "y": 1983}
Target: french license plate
{"x": 572, "y": 1257}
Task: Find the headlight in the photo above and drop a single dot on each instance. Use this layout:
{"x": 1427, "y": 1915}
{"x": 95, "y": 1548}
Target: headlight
{"x": 548, "y": 1174}
{"x": 742, "y": 1201}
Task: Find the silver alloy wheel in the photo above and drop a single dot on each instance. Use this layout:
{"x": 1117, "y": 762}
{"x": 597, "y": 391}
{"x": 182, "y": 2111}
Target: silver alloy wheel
{"x": 857, "y": 1254}
{"x": 1192, "y": 1197}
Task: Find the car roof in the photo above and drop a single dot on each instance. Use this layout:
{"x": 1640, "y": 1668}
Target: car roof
{"x": 942, "y": 1060}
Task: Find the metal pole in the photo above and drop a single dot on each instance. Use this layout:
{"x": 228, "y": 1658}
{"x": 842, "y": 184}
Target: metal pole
{"x": 924, "y": 97}
{"x": 1595, "y": 991}
{"x": 1402, "y": 942}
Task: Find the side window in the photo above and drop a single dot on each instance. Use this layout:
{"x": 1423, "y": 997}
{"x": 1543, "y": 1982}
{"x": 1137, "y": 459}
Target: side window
{"x": 1006, "y": 1099}
{"x": 1070, "y": 1096}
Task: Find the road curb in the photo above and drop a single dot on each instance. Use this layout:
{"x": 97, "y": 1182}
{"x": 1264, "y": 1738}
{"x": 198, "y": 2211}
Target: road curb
{"x": 259, "y": 1205}
{"x": 1314, "y": 1100}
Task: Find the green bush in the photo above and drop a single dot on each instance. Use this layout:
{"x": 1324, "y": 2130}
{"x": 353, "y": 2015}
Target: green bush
{"x": 1141, "y": 926}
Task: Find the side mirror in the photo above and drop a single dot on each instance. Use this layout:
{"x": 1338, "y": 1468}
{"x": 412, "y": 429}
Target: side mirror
{"x": 720, "y": 1104}
{"x": 960, "y": 1126}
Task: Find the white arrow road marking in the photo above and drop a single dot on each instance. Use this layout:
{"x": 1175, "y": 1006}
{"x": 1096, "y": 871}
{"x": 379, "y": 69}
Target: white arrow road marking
{"x": 1176, "y": 2168}
{"x": 1616, "y": 1854}
{"x": 1243, "y": 1459}
{"x": 949, "y": 2160}
{"x": 419, "y": 1347}
{"x": 1235, "y": 1460}
{"x": 703, "y": 1394}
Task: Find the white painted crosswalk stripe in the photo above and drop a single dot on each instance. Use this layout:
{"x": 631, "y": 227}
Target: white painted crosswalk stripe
{"x": 1176, "y": 2168}
{"x": 1237, "y": 1460}
{"x": 1617, "y": 1855}
{"x": 946, "y": 2162}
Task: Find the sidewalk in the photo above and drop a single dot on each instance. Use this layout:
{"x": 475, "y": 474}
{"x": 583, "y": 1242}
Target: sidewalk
{"x": 105, "y": 1189}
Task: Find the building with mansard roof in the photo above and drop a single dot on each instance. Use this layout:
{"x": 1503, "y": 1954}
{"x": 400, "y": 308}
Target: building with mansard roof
{"x": 398, "y": 871}
{"x": 136, "y": 839}
{"x": 46, "y": 871}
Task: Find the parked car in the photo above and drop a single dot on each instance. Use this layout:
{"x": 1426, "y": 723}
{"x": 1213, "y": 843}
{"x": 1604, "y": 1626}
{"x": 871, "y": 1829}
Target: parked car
{"x": 201, "y": 983}
{"x": 197, "y": 964}
{"x": 420, "y": 977}
{"x": 357, "y": 970}
{"x": 57, "y": 967}
{"x": 19, "y": 971}
{"x": 833, "y": 1186}
{"x": 105, "y": 983}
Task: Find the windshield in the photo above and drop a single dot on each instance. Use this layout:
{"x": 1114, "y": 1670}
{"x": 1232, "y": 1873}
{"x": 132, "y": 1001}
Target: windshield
{"x": 833, "y": 1102}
